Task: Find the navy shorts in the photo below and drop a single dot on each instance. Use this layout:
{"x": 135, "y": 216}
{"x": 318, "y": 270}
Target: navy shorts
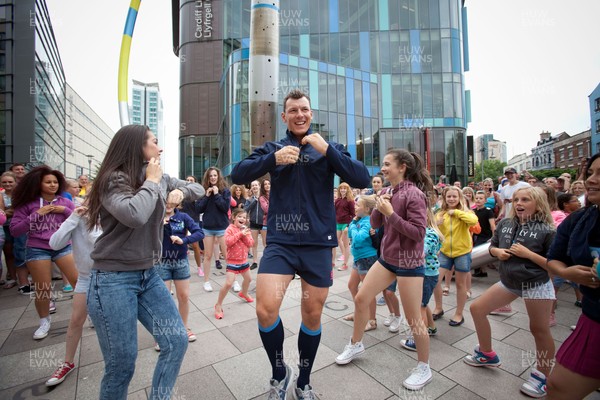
{"x": 419, "y": 271}
{"x": 429, "y": 283}
{"x": 311, "y": 263}
{"x": 237, "y": 268}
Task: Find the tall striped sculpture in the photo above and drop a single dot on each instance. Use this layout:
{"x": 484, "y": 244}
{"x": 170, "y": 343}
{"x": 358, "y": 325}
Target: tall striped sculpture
{"x": 134, "y": 6}
{"x": 263, "y": 71}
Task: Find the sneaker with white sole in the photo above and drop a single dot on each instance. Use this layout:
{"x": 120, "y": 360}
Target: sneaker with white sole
{"x": 52, "y": 307}
{"x": 306, "y": 394}
{"x": 42, "y": 331}
{"x": 351, "y": 351}
{"x": 396, "y": 323}
{"x": 420, "y": 377}
{"x": 507, "y": 309}
{"x": 388, "y": 320}
{"x": 409, "y": 343}
{"x": 90, "y": 323}
{"x": 381, "y": 301}
{"x": 478, "y": 359}
{"x": 60, "y": 374}
{"x": 236, "y": 287}
{"x": 208, "y": 287}
{"x": 278, "y": 390}
{"x": 156, "y": 347}
{"x": 535, "y": 385}
{"x": 191, "y": 336}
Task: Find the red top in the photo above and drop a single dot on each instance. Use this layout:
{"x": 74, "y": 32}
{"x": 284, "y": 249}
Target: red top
{"x": 344, "y": 211}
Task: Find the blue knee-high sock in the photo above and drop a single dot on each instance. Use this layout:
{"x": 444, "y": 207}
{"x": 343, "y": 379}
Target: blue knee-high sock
{"x": 308, "y": 343}
{"x": 272, "y": 339}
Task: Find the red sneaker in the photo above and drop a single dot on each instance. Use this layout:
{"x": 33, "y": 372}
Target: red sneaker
{"x": 502, "y": 310}
{"x": 60, "y": 374}
{"x": 343, "y": 267}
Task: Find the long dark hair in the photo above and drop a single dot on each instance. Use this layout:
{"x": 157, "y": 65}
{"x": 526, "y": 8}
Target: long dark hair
{"x": 263, "y": 191}
{"x": 30, "y": 186}
{"x": 125, "y": 154}
{"x": 221, "y": 184}
{"x": 415, "y": 169}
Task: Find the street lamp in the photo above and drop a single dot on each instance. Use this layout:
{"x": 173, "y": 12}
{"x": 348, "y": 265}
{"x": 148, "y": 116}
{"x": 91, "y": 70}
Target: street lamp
{"x": 90, "y": 157}
{"x": 192, "y": 149}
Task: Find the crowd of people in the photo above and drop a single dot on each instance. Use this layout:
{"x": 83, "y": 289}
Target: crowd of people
{"x": 121, "y": 241}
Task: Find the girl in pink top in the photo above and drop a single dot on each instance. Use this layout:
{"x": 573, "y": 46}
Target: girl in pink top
{"x": 238, "y": 240}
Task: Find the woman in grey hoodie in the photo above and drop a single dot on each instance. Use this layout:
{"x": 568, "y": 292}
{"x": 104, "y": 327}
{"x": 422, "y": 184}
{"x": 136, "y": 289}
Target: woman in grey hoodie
{"x": 128, "y": 197}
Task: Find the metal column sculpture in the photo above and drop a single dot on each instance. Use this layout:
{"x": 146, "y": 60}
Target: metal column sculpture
{"x": 263, "y": 71}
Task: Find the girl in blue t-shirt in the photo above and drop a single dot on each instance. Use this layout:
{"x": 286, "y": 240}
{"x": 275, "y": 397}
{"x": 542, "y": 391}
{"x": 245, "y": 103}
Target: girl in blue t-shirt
{"x": 363, "y": 252}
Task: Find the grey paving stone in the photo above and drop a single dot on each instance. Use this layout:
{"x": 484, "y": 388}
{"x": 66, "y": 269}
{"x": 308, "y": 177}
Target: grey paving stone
{"x": 449, "y": 334}
{"x": 390, "y": 366}
{"x": 203, "y": 383}
{"x": 13, "y": 300}
{"x": 10, "y": 316}
{"x": 489, "y": 383}
{"x": 139, "y": 395}
{"x": 37, "y": 389}
{"x": 514, "y": 360}
{"x": 500, "y": 330}
{"x": 234, "y": 313}
{"x": 211, "y": 347}
{"x": 337, "y": 307}
{"x": 568, "y": 315}
{"x": 337, "y": 333}
{"x": 459, "y": 392}
{"x": 31, "y": 319}
{"x": 354, "y": 384}
{"x": 3, "y": 336}
{"x": 22, "y": 340}
{"x": 245, "y": 335}
{"x": 30, "y": 365}
{"x": 523, "y": 340}
{"x": 440, "y": 354}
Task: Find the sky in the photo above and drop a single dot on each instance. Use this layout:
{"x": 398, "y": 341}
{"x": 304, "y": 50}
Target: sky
{"x": 533, "y": 64}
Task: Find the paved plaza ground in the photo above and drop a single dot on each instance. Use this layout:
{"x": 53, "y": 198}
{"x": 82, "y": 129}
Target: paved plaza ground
{"x": 228, "y": 361}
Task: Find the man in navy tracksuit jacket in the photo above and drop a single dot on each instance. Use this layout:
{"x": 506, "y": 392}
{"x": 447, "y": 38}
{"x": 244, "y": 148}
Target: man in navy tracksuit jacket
{"x": 300, "y": 233}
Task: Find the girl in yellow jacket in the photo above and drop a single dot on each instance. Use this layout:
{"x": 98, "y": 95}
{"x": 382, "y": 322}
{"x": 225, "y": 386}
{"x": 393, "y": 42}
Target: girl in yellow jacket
{"x": 454, "y": 220}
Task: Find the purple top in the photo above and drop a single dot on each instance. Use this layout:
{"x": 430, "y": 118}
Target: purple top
{"x": 39, "y": 228}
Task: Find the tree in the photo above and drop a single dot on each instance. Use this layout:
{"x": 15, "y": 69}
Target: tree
{"x": 491, "y": 169}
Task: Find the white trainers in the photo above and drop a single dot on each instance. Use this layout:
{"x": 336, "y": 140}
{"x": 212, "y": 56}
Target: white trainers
{"x": 236, "y": 287}
{"x": 395, "y": 324}
{"x": 420, "y": 377}
{"x": 351, "y": 351}
{"x": 208, "y": 287}
{"x": 388, "y": 320}
{"x": 42, "y": 331}
{"x": 90, "y": 323}
{"x": 535, "y": 385}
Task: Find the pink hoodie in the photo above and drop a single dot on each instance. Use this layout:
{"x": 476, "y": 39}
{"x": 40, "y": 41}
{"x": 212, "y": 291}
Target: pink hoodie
{"x": 237, "y": 245}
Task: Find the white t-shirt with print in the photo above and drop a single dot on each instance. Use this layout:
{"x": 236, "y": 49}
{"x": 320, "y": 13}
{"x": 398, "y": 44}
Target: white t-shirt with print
{"x": 507, "y": 193}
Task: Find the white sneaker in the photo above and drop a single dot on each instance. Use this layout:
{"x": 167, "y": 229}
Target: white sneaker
{"x": 420, "y": 377}
{"x": 90, "y": 323}
{"x": 388, "y": 320}
{"x": 396, "y": 323}
{"x": 42, "y": 331}
{"x": 208, "y": 287}
{"x": 236, "y": 287}
{"x": 351, "y": 351}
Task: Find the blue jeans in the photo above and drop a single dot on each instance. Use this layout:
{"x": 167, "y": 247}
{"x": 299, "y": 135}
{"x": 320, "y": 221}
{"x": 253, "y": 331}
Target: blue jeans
{"x": 116, "y": 300}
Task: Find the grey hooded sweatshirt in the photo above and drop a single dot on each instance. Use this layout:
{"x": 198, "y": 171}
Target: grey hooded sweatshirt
{"x": 132, "y": 222}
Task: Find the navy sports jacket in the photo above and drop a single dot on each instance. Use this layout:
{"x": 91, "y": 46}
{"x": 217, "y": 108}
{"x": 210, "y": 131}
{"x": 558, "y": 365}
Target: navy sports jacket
{"x": 301, "y": 210}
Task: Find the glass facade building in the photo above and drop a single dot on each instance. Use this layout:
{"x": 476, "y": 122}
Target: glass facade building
{"x": 42, "y": 120}
{"x": 380, "y": 74}
{"x": 147, "y": 108}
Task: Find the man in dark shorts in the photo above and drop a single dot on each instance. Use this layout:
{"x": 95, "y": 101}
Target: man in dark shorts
{"x": 300, "y": 234}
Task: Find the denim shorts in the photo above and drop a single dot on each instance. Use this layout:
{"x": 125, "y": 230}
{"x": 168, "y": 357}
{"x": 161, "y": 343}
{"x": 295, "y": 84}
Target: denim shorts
{"x": 362, "y": 265}
{"x": 557, "y": 281}
{"x": 429, "y": 283}
{"x": 461, "y": 263}
{"x": 173, "y": 269}
{"x": 238, "y": 268}
{"x": 419, "y": 271}
{"x": 37, "y": 254}
{"x": 19, "y": 250}
{"x": 83, "y": 284}
{"x": 311, "y": 263}
{"x": 393, "y": 286}
{"x": 210, "y": 232}
{"x": 533, "y": 291}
